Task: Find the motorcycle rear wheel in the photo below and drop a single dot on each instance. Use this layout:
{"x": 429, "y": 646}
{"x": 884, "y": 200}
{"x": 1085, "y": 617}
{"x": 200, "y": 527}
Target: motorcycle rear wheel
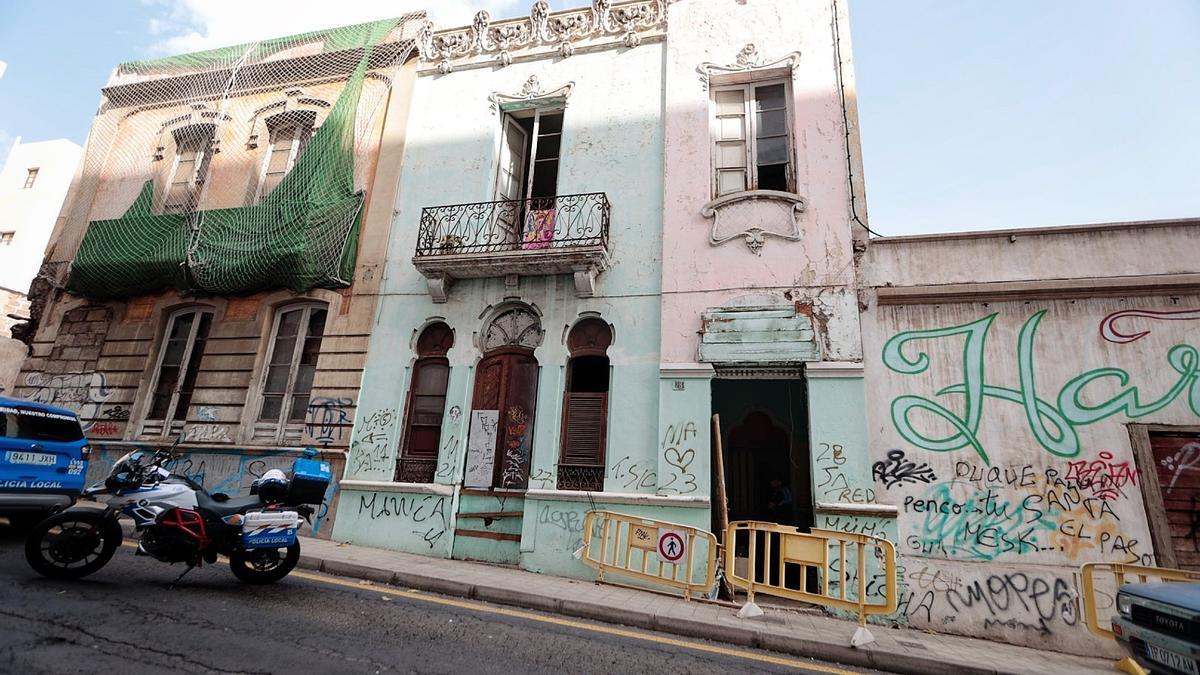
{"x": 263, "y": 565}
{"x": 72, "y": 544}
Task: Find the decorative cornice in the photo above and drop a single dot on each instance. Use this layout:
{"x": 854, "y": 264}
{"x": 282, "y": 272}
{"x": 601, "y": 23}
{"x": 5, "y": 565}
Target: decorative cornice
{"x": 737, "y": 215}
{"x": 748, "y": 59}
{"x": 816, "y": 370}
{"x": 624, "y": 23}
{"x": 531, "y": 90}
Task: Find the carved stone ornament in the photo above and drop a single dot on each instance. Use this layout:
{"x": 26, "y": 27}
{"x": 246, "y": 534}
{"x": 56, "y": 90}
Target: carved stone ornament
{"x": 518, "y": 326}
{"x": 754, "y": 215}
{"x": 747, "y": 59}
{"x": 623, "y": 23}
{"x": 532, "y": 89}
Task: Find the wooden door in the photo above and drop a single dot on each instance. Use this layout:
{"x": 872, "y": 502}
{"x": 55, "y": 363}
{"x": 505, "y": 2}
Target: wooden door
{"x": 1174, "y": 508}
{"x": 506, "y": 382}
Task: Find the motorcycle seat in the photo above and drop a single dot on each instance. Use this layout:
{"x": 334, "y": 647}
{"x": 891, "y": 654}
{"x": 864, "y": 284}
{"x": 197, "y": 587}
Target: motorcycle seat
{"x": 228, "y": 507}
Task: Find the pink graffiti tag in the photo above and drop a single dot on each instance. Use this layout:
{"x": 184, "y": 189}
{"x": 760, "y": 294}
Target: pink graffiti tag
{"x": 1109, "y": 332}
{"x": 1102, "y": 476}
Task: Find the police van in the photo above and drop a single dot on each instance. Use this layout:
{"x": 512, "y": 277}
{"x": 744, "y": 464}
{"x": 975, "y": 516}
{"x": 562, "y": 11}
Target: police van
{"x": 43, "y": 460}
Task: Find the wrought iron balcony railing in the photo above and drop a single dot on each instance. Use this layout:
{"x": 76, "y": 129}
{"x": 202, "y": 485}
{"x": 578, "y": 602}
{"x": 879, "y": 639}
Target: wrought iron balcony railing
{"x": 538, "y": 224}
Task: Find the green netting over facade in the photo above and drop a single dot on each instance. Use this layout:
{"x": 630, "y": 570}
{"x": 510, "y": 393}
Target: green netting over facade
{"x": 299, "y": 232}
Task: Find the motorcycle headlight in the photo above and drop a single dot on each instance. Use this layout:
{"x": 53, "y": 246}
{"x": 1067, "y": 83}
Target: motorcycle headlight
{"x": 1124, "y": 604}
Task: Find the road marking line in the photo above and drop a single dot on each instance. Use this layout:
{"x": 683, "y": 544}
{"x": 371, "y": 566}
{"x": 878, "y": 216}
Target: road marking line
{"x": 478, "y": 606}
{"x": 608, "y": 630}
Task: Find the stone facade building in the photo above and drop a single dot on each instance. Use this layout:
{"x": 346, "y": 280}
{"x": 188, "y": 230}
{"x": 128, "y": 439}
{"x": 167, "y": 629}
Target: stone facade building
{"x": 214, "y": 275}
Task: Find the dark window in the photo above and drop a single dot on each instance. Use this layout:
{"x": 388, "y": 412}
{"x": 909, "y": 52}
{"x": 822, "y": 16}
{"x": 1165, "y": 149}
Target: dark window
{"x": 426, "y": 406}
{"x": 292, "y": 364}
{"x": 290, "y": 133}
{"x": 192, "y": 154}
{"x": 179, "y": 363}
{"x": 37, "y": 425}
{"x": 585, "y": 407}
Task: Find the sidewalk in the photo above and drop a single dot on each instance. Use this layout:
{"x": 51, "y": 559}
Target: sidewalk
{"x": 794, "y": 633}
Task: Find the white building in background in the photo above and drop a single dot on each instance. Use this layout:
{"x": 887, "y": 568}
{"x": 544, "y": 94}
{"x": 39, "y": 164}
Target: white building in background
{"x": 33, "y": 184}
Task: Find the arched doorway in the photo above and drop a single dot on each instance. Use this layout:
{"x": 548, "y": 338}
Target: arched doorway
{"x": 505, "y": 391}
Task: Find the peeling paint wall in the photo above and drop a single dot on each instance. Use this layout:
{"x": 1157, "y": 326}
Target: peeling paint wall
{"x": 1000, "y": 427}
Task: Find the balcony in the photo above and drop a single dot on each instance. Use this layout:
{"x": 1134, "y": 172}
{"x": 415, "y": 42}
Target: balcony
{"x": 566, "y": 234}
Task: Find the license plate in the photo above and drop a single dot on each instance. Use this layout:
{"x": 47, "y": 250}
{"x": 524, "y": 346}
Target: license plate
{"x": 1177, "y": 661}
{"x": 38, "y": 458}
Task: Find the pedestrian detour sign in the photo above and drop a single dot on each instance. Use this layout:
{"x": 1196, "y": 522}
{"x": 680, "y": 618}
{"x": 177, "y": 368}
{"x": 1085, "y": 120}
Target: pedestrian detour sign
{"x": 672, "y": 545}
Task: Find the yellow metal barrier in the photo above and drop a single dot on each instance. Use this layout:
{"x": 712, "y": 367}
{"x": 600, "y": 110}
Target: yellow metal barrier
{"x": 1117, "y": 576}
{"x": 650, "y": 550}
{"x": 823, "y": 567}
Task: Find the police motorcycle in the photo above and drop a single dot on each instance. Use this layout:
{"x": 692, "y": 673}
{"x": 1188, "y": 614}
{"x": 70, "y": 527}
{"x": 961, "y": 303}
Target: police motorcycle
{"x": 178, "y": 521}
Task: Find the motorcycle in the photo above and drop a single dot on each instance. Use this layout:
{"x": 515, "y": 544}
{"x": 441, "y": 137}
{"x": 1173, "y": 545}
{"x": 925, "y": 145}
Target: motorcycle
{"x": 177, "y": 520}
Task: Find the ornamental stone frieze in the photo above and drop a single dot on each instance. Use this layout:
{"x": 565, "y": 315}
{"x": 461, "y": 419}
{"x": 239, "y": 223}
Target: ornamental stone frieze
{"x": 604, "y": 25}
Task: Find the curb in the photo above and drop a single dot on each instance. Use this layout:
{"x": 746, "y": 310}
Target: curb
{"x": 869, "y": 657}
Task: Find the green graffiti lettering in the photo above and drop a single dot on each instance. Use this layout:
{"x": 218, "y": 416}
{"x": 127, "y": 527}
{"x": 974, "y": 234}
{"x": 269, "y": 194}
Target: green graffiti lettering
{"x": 1053, "y": 427}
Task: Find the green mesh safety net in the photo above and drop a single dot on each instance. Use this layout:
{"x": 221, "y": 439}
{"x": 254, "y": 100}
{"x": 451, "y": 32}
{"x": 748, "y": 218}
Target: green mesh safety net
{"x": 252, "y": 158}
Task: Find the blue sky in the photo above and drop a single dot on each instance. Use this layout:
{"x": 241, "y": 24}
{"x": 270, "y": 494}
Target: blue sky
{"x": 974, "y": 115}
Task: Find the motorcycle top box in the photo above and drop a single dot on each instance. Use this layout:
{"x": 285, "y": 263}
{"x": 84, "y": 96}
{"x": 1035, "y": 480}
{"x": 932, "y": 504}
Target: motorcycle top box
{"x": 310, "y": 480}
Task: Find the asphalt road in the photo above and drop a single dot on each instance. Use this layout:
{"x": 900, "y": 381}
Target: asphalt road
{"x": 124, "y": 619}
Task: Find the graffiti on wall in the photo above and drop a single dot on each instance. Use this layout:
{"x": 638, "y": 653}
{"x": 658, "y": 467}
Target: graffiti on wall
{"x": 326, "y": 418}
{"x": 896, "y": 470}
{"x": 426, "y": 514}
{"x": 1052, "y": 422}
{"x": 679, "y": 452}
{"x": 369, "y": 452}
{"x": 632, "y": 475}
{"x": 990, "y": 512}
{"x": 832, "y": 484}
{"x": 1108, "y": 325}
{"x": 84, "y": 393}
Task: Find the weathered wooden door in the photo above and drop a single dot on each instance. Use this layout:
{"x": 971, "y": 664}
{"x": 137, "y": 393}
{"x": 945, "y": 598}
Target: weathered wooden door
{"x": 1174, "y": 508}
{"x": 506, "y": 381}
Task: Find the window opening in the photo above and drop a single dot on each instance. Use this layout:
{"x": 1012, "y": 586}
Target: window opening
{"x": 178, "y": 366}
{"x": 192, "y": 155}
{"x": 426, "y": 406}
{"x": 6, "y": 238}
{"x": 289, "y": 133}
{"x": 752, "y": 138}
{"x": 292, "y": 364}
{"x": 530, "y": 148}
{"x": 31, "y": 177}
{"x": 585, "y": 408}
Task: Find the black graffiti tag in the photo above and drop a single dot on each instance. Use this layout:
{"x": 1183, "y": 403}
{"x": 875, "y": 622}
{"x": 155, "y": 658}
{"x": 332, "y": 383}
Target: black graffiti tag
{"x": 896, "y": 469}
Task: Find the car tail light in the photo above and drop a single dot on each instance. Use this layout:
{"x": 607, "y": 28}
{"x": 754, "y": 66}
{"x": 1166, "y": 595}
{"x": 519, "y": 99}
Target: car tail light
{"x": 1117, "y": 630}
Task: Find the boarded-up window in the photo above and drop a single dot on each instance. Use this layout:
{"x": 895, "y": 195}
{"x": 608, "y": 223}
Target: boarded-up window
{"x": 426, "y": 406}
{"x": 178, "y": 364}
{"x": 585, "y": 407}
{"x": 192, "y": 153}
{"x": 1175, "y": 520}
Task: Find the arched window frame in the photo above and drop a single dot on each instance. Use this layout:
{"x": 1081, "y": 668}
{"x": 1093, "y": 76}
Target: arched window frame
{"x": 283, "y": 425}
{"x": 169, "y": 420}
{"x": 584, "y": 448}
{"x": 302, "y": 124}
{"x": 419, "y": 464}
{"x": 193, "y": 177}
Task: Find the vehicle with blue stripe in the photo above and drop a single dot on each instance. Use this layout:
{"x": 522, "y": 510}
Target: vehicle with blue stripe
{"x": 43, "y": 460}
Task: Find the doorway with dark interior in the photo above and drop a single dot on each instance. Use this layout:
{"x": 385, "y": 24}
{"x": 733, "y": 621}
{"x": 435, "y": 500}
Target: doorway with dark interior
{"x": 765, "y": 453}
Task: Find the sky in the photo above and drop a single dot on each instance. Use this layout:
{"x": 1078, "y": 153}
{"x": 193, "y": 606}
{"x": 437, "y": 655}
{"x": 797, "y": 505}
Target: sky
{"x": 973, "y": 115}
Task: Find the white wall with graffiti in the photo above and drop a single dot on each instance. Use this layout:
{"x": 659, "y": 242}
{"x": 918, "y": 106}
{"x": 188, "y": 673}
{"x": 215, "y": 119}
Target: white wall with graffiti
{"x": 1000, "y": 430}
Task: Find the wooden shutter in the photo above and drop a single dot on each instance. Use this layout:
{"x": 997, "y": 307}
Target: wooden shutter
{"x": 584, "y": 428}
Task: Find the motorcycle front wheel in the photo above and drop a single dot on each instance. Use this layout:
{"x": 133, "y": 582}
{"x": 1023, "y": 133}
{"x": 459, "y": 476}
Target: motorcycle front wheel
{"x": 72, "y": 544}
{"x": 263, "y": 565}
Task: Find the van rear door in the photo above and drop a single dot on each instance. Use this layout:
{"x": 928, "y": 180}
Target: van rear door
{"x": 40, "y": 451}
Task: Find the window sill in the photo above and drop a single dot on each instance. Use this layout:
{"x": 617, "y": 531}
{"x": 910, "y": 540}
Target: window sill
{"x": 617, "y": 498}
{"x": 390, "y": 486}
